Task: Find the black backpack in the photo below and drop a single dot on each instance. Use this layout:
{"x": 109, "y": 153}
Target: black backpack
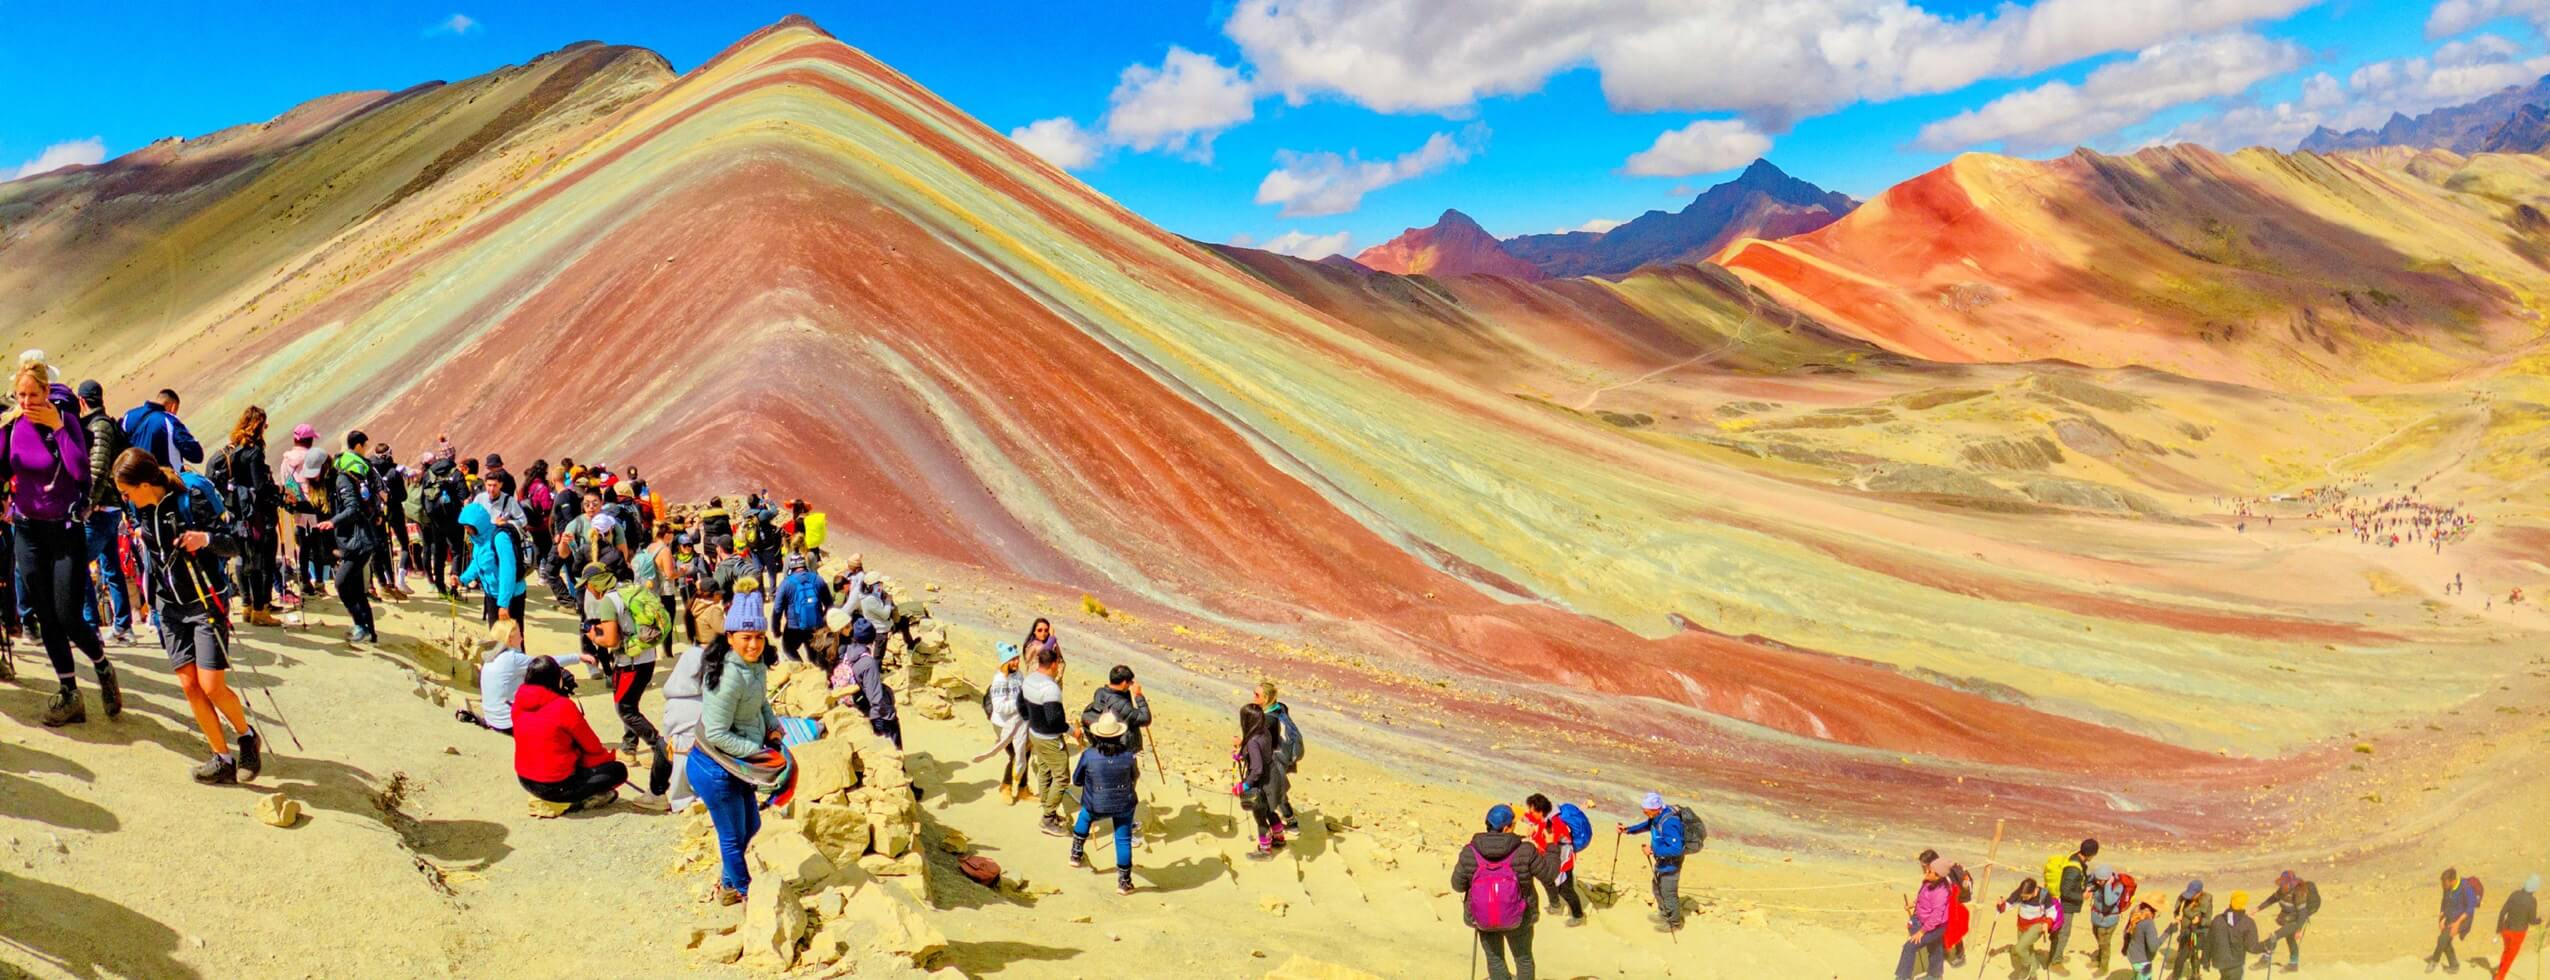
{"x": 238, "y": 495}
{"x": 1695, "y": 832}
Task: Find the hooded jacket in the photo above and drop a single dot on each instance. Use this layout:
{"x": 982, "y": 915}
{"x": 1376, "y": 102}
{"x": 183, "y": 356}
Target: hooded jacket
{"x": 351, "y": 515}
{"x": 1930, "y": 908}
{"x": 495, "y": 562}
{"x": 1134, "y": 712}
{"x": 1529, "y": 865}
{"x": 161, "y": 433}
{"x": 179, "y": 583}
{"x": 551, "y": 738}
{"x": 48, "y": 470}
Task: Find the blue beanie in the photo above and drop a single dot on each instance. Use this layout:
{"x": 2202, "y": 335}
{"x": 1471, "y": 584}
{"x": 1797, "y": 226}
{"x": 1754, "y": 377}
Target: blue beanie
{"x": 1500, "y": 817}
{"x": 745, "y": 615}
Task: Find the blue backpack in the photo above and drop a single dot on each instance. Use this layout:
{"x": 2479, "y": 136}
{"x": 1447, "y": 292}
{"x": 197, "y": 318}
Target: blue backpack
{"x": 1580, "y": 831}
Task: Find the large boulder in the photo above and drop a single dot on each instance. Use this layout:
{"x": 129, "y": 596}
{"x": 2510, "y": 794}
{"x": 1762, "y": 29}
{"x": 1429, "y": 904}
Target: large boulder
{"x": 839, "y": 830}
{"x": 774, "y": 924}
{"x": 929, "y": 703}
{"x": 889, "y": 922}
{"x": 782, "y": 851}
{"x": 826, "y": 769}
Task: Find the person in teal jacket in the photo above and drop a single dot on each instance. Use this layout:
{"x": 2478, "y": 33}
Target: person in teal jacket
{"x": 495, "y": 563}
{"x": 738, "y": 735}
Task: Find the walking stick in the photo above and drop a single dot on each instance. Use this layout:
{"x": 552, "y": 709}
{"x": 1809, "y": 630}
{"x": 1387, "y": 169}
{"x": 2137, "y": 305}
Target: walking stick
{"x": 1612, "y": 878}
{"x": 1990, "y": 858}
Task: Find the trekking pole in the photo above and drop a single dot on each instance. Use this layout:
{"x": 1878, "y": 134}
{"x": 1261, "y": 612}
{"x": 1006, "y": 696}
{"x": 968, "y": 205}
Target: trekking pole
{"x": 221, "y": 625}
{"x": 1613, "y": 878}
{"x": 1990, "y": 858}
{"x": 1474, "y": 957}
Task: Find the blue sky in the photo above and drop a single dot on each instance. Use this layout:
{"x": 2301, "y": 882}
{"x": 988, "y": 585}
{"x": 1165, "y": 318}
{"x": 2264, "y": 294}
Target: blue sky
{"x": 1217, "y": 119}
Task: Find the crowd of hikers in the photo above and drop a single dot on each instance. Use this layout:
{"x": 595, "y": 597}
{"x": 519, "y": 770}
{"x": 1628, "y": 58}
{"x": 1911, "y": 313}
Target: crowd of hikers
{"x": 125, "y": 522}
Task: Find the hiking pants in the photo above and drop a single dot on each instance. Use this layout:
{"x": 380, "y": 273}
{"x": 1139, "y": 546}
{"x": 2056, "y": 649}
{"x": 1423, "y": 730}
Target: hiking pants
{"x": 53, "y": 576}
{"x": 1052, "y": 772}
{"x": 2443, "y": 939}
{"x": 1123, "y": 822}
{"x": 1669, "y": 894}
{"x": 2062, "y": 937}
{"x": 1564, "y": 890}
{"x": 2187, "y": 959}
{"x": 2512, "y": 940}
{"x": 2098, "y": 957}
{"x": 628, "y": 686}
{"x": 1933, "y": 941}
{"x": 2025, "y": 957}
{"x": 257, "y": 568}
{"x": 2291, "y": 933}
{"x": 792, "y": 643}
{"x": 1497, "y": 944}
{"x": 584, "y": 785}
{"x": 398, "y": 532}
{"x": 350, "y": 588}
{"x": 2234, "y": 970}
{"x": 104, "y": 526}
{"x": 732, "y": 809}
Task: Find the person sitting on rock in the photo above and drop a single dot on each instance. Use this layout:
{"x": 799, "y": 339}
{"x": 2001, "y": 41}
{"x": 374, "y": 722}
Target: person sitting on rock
{"x": 1106, "y": 774}
{"x": 556, "y": 755}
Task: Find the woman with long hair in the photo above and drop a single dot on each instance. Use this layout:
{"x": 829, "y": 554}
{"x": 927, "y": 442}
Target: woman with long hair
{"x": 1040, "y": 634}
{"x": 1262, "y": 780}
{"x": 44, "y": 457}
{"x": 247, "y": 485}
{"x": 737, "y": 756}
{"x": 179, "y": 523}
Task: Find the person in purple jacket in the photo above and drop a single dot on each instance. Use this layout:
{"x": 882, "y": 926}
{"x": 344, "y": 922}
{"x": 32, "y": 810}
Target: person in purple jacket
{"x": 44, "y": 457}
{"x": 1928, "y": 923}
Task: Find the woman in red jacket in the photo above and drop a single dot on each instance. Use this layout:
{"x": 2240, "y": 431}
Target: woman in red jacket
{"x": 556, "y": 755}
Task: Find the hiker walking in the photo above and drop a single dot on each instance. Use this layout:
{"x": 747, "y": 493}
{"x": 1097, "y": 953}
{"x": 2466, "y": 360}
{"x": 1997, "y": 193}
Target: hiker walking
{"x": 183, "y": 527}
{"x": 495, "y": 565}
{"x": 2072, "y": 889}
{"x": 354, "y": 519}
{"x": 1040, "y": 702}
{"x": 2234, "y": 935}
{"x": 1562, "y": 832}
{"x": 2452, "y": 919}
{"x": 1263, "y": 782}
{"x": 2296, "y": 901}
{"x": 304, "y": 482}
{"x": 1494, "y": 875}
{"x": 44, "y": 458}
{"x": 1666, "y": 828}
{"x": 1928, "y": 928}
{"x": 2515, "y": 919}
{"x": 617, "y": 643}
{"x": 1122, "y": 697}
{"x": 248, "y": 487}
{"x": 658, "y": 573}
{"x": 394, "y": 496}
{"x": 1106, "y": 773}
{"x": 1009, "y": 728}
{"x": 803, "y": 597}
{"x": 1288, "y": 745}
{"x": 2108, "y": 896}
{"x": 2039, "y": 913}
{"x": 738, "y": 755}
{"x": 105, "y": 523}
{"x": 2142, "y": 941}
{"x": 557, "y": 758}
{"x": 2190, "y": 917}
{"x": 870, "y": 694}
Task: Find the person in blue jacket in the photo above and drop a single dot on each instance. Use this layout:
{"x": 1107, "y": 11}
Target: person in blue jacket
{"x": 1664, "y": 829}
{"x": 495, "y": 563}
{"x": 153, "y": 425}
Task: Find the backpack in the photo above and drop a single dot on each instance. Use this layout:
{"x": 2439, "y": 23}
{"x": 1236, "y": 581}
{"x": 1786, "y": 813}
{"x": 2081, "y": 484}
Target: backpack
{"x": 648, "y": 610}
{"x": 1291, "y": 749}
{"x": 745, "y": 533}
{"x": 2470, "y": 886}
{"x": 1580, "y": 830}
{"x": 2127, "y": 901}
{"x": 238, "y": 494}
{"x": 1695, "y": 834}
{"x": 2054, "y": 874}
{"x": 1496, "y": 900}
{"x": 445, "y": 496}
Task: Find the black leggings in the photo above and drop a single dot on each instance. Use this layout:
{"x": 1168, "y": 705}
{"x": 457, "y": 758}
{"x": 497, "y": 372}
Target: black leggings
{"x": 257, "y": 567}
{"x": 350, "y": 588}
{"x": 52, "y": 559}
{"x": 1566, "y": 892}
{"x": 628, "y": 686}
{"x": 584, "y": 785}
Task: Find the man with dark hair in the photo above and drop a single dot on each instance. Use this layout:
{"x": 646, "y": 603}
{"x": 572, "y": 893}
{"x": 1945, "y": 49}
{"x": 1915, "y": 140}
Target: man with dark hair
{"x": 2073, "y": 891}
{"x": 153, "y": 425}
{"x": 1040, "y": 703}
{"x": 1123, "y": 696}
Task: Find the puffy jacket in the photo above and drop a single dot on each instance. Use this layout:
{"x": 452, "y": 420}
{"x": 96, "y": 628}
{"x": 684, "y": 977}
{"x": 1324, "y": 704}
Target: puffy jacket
{"x": 495, "y": 561}
{"x": 2234, "y": 936}
{"x": 802, "y": 599}
{"x": 551, "y": 738}
{"x": 1529, "y": 864}
{"x": 1666, "y": 839}
{"x": 106, "y": 441}
{"x": 179, "y": 583}
{"x": 735, "y": 715}
{"x": 351, "y": 515}
{"x": 1930, "y": 908}
{"x": 1134, "y": 712}
{"x": 1106, "y": 779}
{"x": 153, "y": 428}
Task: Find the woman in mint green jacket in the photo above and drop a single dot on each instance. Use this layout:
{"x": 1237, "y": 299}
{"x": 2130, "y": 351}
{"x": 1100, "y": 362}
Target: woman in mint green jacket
{"x": 737, "y": 757}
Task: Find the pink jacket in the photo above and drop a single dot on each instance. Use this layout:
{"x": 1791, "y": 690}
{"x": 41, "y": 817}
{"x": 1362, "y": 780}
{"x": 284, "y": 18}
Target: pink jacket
{"x": 1930, "y": 908}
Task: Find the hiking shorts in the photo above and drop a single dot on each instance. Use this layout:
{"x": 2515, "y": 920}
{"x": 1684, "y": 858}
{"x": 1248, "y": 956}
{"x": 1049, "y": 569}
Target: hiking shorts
{"x": 193, "y": 641}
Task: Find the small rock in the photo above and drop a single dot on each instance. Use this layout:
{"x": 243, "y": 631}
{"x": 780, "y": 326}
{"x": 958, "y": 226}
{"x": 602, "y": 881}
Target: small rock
{"x": 451, "y": 750}
{"x": 2365, "y": 748}
{"x": 1080, "y": 920}
{"x": 278, "y": 810}
{"x": 1273, "y": 905}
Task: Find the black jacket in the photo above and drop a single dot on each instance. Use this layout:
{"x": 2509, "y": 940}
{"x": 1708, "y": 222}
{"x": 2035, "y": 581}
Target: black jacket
{"x": 1262, "y": 768}
{"x": 1134, "y": 712}
{"x": 1529, "y": 865}
{"x": 248, "y": 484}
{"x": 352, "y": 515}
{"x": 2521, "y": 910}
{"x": 106, "y": 441}
{"x": 2234, "y": 936}
{"x": 181, "y": 582}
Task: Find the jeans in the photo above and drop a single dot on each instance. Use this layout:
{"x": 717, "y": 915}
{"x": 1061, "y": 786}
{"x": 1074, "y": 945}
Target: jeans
{"x": 350, "y": 588}
{"x": 584, "y": 785}
{"x": 53, "y": 577}
{"x": 1517, "y": 941}
{"x": 1124, "y": 838}
{"x": 103, "y": 529}
{"x": 731, "y": 807}
{"x": 1669, "y": 894}
{"x": 1052, "y": 767}
{"x": 1932, "y": 941}
{"x": 628, "y": 686}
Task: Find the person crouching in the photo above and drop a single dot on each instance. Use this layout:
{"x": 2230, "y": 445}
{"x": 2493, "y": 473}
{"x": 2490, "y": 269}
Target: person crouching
{"x": 556, "y": 755}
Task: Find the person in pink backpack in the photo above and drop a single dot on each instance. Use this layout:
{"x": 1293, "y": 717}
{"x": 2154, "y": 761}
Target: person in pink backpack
{"x": 1495, "y": 876}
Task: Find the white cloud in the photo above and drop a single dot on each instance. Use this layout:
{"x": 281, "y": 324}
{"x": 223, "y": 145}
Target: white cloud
{"x": 1179, "y": 106}
{"x": 1706, "y": 146}
{"x": 1060, "y": 141}
{"x": 453, "y": 26}
{"x": 1311, "y": 185}
{"x": 1597, "y": 226}
{"x": 76, "y": 152}
{"x": 1770, "y": 60}
{"x": 2455, "y": 16}
{"x": 2116, "y": 95}
{"x": 1300, "y": 245}
{"x": 2455, "y": 72}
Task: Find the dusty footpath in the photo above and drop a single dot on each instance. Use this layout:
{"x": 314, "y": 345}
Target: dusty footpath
{"x": 416, "y": 857}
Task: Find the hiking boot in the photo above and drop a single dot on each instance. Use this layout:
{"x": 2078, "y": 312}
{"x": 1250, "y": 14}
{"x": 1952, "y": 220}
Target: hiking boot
{"x": 606, "y": 798}
{"x": 217, "y": 771}
{"x": 1124, "y": 884}
{"x": 360, "y": 636}
{"x": 648, "y": 802}
{"x": 726, "y": 896}
{"x": 110, "y": 692}
{"x": 122, "y": 637}
{"x": 260, "y": 617}
{"x": 1076, "y": 860}
{"x": 66, "y": 708}
{"x": 1053, "y": 826}
{"x": 544, "y": 810}
{"x": 250, "y": 758}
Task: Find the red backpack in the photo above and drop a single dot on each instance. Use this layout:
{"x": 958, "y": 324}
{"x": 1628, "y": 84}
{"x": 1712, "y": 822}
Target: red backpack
{"x": 1497, "y": 902}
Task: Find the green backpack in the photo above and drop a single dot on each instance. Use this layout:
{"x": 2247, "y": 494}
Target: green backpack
{"x": 647, "y": 608}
